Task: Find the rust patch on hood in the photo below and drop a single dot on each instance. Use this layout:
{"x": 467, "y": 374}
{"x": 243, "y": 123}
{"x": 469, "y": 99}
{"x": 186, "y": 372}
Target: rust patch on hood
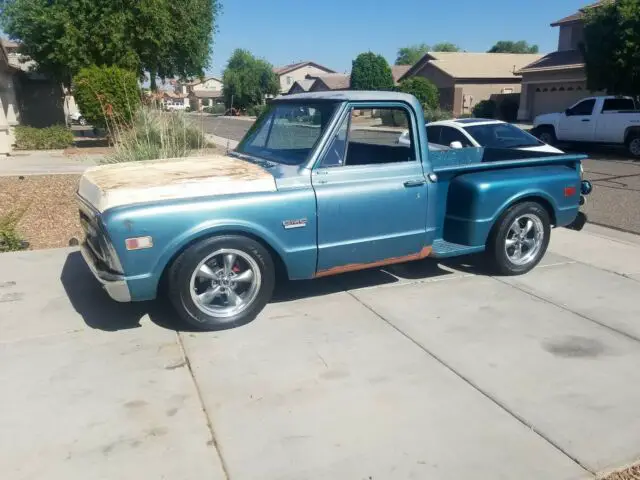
{"x": 153, "y": 173}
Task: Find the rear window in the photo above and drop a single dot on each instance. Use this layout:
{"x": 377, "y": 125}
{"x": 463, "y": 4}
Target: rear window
{"x": 615, "y": 104}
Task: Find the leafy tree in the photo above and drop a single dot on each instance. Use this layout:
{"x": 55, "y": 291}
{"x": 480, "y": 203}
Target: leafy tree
{"x": 163, "y": 37}
{"x": 107, "y": 96}
{"x": 508, "y": 46}
{"x": 445, "y": 47}
{"x": 612, "y": 47}
{"x": 411, "y": 54}
{"x": 247, "y": 80}
{"x": 370, "y": 71}
{"x": 424, "y": 90}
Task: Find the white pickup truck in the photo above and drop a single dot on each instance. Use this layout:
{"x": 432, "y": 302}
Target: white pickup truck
{"x": 607, "y": 120}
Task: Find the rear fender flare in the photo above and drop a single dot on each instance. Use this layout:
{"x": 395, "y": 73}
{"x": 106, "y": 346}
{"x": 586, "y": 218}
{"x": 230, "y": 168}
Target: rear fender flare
{"x": 539, "y": 196}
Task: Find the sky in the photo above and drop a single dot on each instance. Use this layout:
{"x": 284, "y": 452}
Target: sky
{"x": 333, "y": 32}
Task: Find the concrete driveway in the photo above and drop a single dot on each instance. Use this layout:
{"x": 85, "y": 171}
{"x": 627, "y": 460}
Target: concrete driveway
{"x": 419, "y": 371}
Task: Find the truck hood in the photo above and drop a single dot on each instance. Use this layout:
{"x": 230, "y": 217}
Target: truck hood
{"x": 109, "y": 186}
{"x": 546, "y": 119}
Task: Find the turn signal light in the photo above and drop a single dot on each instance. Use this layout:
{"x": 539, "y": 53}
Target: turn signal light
{"x": 138, "y": 243}
{"x": 569, "y": 191}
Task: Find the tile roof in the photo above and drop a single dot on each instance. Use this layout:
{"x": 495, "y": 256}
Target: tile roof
{"x": 398, "y": 71}
{"x": 198, "y": 81}
{"x": 305, "y": 84}
{"x": 295, "y": 66}
{"x": 475, "y": 65}
{"x": 556, "y": 61}
{"x": 207, "y": 93}
{"x": 335, "y": 81}
{"x": 576, "y": 17}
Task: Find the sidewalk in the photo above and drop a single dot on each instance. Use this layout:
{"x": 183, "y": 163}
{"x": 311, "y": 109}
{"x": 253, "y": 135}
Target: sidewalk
{"x": 423, "y": 370}
{"x": 45, "y": 162}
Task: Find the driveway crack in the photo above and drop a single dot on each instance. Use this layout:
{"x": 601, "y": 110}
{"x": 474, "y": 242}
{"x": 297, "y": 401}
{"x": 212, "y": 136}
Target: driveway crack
{"x": 475, "y": 386}
{"x": 214, "y": 440}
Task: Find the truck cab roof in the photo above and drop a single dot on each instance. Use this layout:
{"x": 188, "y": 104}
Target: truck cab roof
{"x": 348, "y": 96}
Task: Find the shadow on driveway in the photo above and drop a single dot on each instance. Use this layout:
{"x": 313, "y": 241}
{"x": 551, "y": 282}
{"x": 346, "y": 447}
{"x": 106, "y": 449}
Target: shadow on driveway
{"x": 102, "y": 313}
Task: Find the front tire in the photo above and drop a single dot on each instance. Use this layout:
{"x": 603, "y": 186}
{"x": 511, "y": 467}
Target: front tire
{"x": 221, "y": 282}
{"x": 633, "y": 145}
{"x": 519, "y": 238}
{"x": 547, "y": 135}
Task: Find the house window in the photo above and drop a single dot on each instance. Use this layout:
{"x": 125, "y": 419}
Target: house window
{"x": 507, "y": 90}
{"x": 289, "y": 80}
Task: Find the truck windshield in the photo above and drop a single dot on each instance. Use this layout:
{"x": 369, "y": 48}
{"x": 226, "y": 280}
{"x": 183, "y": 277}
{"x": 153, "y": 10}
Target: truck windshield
{"x": 288, "y": 132}
{"x": 502, "y": 135}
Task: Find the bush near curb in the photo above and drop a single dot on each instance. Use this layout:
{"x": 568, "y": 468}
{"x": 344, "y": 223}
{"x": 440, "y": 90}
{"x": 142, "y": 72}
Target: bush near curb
{"x": 10, "y": 240}
{"x": 107, "y": 96}
{"x": 49, "y": 138}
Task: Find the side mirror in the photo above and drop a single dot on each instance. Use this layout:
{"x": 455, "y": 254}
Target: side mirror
{"x": 455, "y": 144}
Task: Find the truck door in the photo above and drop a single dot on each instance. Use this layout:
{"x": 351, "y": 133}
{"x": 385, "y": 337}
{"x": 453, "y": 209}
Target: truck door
{"x": 371, "y": 192}
{"x": 578, "y": 122}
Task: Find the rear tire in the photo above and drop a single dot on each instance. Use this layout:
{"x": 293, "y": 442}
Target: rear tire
{"x": 221, "y": 282}
{"x": 547, "y": 135}
{"x": 633, "y": 145}
{"x": 519, "y": 238}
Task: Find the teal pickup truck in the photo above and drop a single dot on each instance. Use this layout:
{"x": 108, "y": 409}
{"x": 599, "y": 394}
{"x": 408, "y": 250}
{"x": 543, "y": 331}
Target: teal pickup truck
{"x": 318, "y": 186}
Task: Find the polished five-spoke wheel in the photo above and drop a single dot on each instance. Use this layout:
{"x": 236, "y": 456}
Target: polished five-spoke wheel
{"x": 519, "y": 238}
{"x": 221, "y": 282}
{"x": 524, "y": 239}
{"x": 225, "y": 283}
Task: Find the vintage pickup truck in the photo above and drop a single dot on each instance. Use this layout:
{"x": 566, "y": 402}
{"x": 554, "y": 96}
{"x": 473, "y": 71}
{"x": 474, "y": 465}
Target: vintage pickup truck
{"x": 318, "y": 186}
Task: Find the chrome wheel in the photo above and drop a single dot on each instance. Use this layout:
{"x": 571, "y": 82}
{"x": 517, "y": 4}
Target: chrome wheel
{"x": 225, "y": 283}
{"x": 524, "y": 239}
{"x": 634, "y": 147}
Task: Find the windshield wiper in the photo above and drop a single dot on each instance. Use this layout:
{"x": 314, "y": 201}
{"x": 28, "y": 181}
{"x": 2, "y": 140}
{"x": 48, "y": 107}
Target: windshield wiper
{"x": 253, "y": 159}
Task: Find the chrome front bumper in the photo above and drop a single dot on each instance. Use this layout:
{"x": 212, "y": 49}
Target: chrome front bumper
{"x": 115, "y": 285}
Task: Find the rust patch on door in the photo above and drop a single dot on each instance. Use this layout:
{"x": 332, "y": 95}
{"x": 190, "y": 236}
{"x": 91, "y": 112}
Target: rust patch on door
{"x": 352, "y": 267}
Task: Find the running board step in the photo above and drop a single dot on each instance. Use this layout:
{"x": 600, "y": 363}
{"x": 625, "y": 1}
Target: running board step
{"x": 443, "y": 249}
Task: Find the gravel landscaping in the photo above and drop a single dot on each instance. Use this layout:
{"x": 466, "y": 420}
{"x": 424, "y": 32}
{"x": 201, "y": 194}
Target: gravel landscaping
{"x": 50, "y": 218}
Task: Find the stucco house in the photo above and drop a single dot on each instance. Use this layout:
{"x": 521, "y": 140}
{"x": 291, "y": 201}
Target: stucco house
{"x": 557, "y": 80}
{"x": 204, "y": 93}
{"x": 289, "y": 74}
{"x": 337, "y": 81}
{"x": 465, "y": 78}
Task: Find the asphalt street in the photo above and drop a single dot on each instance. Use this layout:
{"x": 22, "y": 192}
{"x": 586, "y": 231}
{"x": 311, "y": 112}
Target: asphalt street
{"x": 615, "y": 201}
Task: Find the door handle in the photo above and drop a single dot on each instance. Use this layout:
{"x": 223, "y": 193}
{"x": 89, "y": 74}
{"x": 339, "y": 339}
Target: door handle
{"x": 414, "y": 183}
{"x": 586, "y": 120}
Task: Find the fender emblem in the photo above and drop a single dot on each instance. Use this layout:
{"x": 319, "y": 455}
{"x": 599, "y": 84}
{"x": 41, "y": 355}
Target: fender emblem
{"x": 300, "y": 223}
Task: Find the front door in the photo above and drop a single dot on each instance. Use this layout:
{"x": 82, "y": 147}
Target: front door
{"x": 578, "y": 122}
{"x": 371, "y": 193}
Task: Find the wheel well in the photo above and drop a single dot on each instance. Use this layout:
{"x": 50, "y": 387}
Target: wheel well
{"x": 281, "y": 267}
{"x": 546, "y": 126}
{"x": 631, "y": 131}
{"x": 541, "y": 200}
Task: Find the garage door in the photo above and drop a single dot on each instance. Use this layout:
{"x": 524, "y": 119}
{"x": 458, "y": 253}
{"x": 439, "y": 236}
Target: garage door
{"x": 549, "y": 98}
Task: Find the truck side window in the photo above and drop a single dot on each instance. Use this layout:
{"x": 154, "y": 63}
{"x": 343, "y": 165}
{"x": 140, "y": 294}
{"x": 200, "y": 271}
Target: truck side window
{"x": 373, "y": 137}
{"x": 337, "y": 147}
{"x": 583, "y": 108}
{"x": 618, "y": 104}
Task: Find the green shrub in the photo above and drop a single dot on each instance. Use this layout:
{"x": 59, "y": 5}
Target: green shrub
{"x": 425, "y": 91}
{"x": 393, "y": 117}
{"x": 107, "y": 96}
{"x": 485, "y": 109}
{"x": 370, "y": 71}
{"x": 256, "y": 110}
{"x": 216, "y": 109}
{"x": 436, "y": 114}
{"x": 30, "y": 138}
{"x": 155, "y": 134}
{"x": 10, "y": 240}
{"x": 509, "y": 110}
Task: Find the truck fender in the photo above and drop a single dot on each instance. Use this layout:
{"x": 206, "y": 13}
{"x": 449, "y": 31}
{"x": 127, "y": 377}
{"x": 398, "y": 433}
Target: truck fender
{"x": 219, "y": 227}
{"x": 538, "y": 196}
